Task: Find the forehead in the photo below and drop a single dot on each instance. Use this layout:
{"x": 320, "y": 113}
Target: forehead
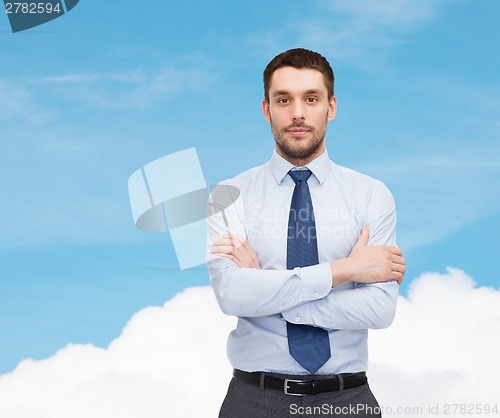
{"x": 297, "y": 80}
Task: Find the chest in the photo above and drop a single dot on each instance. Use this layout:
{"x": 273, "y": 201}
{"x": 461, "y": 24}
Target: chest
{"x": 338, "y": 222}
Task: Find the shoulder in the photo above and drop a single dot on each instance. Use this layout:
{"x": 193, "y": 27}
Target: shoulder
{"x": 351, "y": 175}
{"x": 360, "y": 184}
{"x": 239, "y": 188}
{"x": 248, "y": 177}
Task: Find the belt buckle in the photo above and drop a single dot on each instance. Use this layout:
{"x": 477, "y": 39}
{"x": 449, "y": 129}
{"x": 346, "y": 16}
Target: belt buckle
{"x": 286, "y": 387}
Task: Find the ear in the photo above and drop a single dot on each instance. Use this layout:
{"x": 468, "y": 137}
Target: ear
{"x": 332, "y": 108}
{"x": 265, "y": 110}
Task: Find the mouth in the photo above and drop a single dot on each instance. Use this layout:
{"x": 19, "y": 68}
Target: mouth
{"x": 298, "y": 132}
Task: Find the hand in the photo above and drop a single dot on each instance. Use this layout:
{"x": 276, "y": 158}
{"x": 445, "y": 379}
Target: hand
{"x": 236, "y": 249}
{"x": 369, "y": 264}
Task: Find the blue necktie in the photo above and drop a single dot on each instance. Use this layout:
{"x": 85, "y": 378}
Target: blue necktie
{"x": 309, "y": 345}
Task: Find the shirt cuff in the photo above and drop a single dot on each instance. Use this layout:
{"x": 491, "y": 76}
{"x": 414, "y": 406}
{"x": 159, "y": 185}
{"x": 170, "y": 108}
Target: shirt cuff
{"x": 316, "y": 283}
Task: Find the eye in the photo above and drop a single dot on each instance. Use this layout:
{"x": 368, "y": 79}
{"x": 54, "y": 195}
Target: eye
{"x": 311, "y": 99}
{"x": 283, "y": 101}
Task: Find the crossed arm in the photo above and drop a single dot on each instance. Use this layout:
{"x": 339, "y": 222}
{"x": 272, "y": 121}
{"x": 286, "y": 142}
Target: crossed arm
{"x": 355, "y": 292}
{"x": 365, "y": 264}
{"x": 374, "y": 270}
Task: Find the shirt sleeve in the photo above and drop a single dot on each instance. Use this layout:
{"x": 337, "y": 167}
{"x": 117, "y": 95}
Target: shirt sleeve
{"x": 354, "y": 305}
{"x": 246, "y": 292}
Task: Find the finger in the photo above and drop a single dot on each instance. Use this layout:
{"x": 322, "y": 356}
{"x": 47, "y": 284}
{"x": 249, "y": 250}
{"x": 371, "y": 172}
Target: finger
{"x": 223, "y": 249}
{"x": 363, "y": 238}
{"x": 392, "y": 250}
{"x": 398, "y": 259}
{"x": 230, "y": 257}
{"x": 226, "y": 242}
{"x": 248, "y": 247}
{"x": 396, "y": 276}
{"x": 241, "y": 253}
{"x": 400, "y": 268}
{"x": 238, "y": 242}
{"x": 222, "y": 241}
{"x": 233, "y": 237}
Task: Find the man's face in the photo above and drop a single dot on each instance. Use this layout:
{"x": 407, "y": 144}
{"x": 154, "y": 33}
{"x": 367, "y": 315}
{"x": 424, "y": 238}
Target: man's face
{"x": 298, "y": 111}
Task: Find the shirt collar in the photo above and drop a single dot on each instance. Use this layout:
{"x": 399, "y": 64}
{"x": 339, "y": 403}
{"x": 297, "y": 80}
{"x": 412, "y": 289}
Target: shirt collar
{"x": 319, "y": 167}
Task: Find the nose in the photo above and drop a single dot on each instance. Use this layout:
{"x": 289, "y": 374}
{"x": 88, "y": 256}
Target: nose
{"x": 298, "y": 112}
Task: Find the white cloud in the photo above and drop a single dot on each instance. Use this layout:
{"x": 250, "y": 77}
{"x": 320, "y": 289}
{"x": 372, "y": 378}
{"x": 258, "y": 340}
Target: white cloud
{"x": 441, "y": 349}
{"x": 143, "y": 373}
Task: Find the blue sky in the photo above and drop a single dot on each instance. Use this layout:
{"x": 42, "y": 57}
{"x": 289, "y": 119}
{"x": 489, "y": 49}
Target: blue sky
{"x": 92, "y": 96}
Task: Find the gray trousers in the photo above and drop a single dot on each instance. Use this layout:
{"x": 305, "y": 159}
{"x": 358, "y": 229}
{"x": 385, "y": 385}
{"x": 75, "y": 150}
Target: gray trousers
{"x": 244, "y": 400}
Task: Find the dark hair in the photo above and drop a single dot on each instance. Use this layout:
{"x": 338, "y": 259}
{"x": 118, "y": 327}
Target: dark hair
{"x": 300, "y": 58}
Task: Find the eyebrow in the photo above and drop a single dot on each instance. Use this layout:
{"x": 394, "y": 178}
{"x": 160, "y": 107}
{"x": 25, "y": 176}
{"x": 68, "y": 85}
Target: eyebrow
{"x": 313, "y": 91}
{"x": 286, "y": 92}
{"x": 280, "y": 93}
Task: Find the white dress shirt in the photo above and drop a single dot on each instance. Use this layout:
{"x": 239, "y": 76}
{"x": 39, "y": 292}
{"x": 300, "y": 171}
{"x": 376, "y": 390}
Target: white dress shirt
{"x": 264, "y": 299}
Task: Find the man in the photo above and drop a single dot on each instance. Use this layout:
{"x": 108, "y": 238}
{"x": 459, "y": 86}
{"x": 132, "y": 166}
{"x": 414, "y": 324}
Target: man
{"x": 304, "y": 255}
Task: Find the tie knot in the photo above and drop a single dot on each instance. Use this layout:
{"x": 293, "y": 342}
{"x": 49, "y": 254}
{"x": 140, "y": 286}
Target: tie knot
{"x": 300, "y": 175}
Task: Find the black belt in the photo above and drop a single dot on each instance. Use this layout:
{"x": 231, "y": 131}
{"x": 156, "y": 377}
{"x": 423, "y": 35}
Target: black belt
{"x": 304, "y": 387}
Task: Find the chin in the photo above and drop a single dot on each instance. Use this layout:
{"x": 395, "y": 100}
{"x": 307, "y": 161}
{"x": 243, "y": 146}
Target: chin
{"x": 298, "y": 149}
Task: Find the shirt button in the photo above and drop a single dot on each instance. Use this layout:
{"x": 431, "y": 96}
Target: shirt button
{"x": 280, "y": 307}
{"x": 316, "y": 294}
{"x": 297, "y": 319}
